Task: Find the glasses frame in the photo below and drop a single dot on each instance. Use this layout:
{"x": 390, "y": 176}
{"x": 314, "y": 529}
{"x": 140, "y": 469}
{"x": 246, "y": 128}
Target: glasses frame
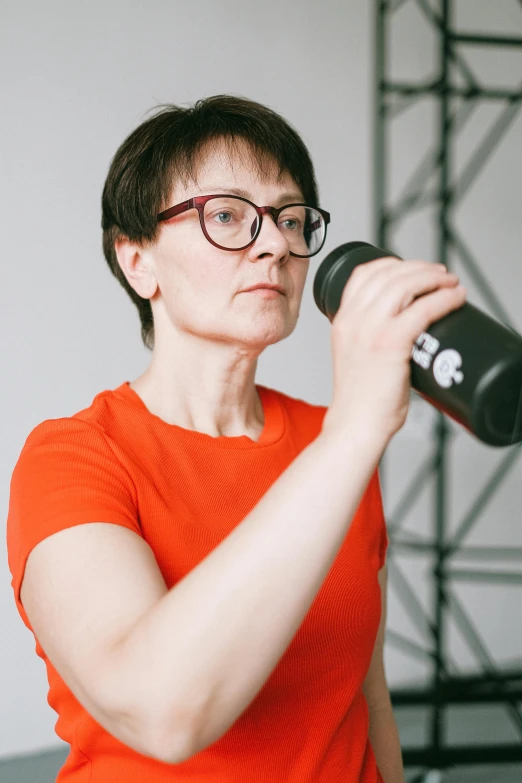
{"x": 198, "y": 202}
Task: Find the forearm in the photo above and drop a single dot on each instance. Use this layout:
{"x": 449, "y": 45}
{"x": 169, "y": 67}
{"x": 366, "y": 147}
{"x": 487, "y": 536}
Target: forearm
{"x": 207, "y": 647}
{"x": 384, "y": 738}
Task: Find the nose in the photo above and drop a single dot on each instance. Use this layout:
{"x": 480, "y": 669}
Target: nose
{"x": 270, "y": 241}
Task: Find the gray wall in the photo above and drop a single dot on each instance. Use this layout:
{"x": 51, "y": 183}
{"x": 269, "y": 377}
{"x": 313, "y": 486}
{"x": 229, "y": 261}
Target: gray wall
{"x": 76, "y": 79}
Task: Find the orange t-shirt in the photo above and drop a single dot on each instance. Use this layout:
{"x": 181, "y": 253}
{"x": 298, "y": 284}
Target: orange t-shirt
{"x": 184, "y": 492}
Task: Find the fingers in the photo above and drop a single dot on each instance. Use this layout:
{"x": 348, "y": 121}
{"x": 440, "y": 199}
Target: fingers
{"x": 398, "y": 293}
{"x": 397, "y": 300}
{"x": 428, "y": 309}
{"x": 388, "y": 285}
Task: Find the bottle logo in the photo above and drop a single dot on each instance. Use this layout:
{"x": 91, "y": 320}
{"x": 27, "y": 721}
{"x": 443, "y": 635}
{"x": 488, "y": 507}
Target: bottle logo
{"x": 424, "y": 349}
{"x": 446, "y": 368}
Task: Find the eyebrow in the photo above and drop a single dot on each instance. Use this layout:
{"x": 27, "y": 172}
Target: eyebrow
{"x": 285, "y": 198}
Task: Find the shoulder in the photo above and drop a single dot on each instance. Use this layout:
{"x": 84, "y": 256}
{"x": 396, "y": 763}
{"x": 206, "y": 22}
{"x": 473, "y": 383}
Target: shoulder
{"x": 68, "y": 473}
{"x": 62, "y": 455}
{"x": 85, "y": 427}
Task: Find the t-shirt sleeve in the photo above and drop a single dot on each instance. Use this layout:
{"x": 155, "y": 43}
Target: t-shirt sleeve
{"x": 67, "y": 474}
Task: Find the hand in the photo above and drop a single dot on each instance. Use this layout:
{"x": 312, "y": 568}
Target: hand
{"x": 385, "y": 305}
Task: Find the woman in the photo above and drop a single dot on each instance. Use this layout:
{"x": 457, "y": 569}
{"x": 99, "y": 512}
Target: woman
{"x": 221, "y": 617}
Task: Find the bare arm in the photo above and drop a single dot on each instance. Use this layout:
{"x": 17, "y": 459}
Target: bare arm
{"x": 210, "y": 644}
{"x": 167, "y": 672}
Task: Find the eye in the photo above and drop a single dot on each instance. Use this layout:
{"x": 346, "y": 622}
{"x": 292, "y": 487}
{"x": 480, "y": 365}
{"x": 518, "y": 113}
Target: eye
{"x": 290, "y": 224}
{"x": 224, "y": 217}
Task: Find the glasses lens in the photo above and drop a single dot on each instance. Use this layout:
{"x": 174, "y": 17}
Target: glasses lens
{"x": 230, "y": 222}
{"x": 304, "y": 229}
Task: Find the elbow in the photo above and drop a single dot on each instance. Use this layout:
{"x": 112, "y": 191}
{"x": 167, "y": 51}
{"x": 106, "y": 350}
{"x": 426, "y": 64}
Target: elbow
{"x": 173, "y": 740}
{"x": 175, "y": 729}
{"x": 170, "y": 750}
{"x": 147, "y": 738}
{"x": 153, "y": 719}
{"x": 173, "y": 745}
{"x": 169, "y": 744}
{"x": 146, "y": 733}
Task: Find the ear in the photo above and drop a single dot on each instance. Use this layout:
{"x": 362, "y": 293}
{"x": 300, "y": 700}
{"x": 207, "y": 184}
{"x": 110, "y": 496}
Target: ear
{"x": 136, "y": 267}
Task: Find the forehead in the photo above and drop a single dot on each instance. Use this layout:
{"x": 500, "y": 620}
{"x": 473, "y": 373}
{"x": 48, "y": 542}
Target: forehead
{"x": 236, "y": 165}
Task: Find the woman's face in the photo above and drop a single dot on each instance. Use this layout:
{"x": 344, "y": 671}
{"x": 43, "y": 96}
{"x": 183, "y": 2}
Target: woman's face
{"x": 200, "y": 287}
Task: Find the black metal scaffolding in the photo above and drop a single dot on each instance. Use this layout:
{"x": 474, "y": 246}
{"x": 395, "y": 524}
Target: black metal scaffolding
{"x": 456, "y": 99}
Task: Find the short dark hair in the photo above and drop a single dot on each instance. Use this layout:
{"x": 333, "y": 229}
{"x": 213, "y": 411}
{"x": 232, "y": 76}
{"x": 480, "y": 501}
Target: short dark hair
{"x": 165, "y": 148}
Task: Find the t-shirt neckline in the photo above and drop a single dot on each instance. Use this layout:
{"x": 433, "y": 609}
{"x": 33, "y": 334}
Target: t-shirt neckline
{"x": 273, "y": 429}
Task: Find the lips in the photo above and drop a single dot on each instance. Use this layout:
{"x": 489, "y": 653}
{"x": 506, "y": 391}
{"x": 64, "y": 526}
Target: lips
{"x": 262, "y": 285}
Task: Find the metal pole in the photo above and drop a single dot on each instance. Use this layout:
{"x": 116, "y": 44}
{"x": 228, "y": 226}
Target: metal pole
{"x": 379, "y": 178}
{"x": 379, "y": 145}
{"x": 442, "y": 429}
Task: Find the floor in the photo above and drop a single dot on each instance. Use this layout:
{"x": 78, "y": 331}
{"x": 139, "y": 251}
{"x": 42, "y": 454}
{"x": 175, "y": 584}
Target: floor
{"x": 470, "y": 726}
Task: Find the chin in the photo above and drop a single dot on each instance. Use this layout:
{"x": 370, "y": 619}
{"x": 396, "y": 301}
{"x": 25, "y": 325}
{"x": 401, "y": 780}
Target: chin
{"x": 268, "y": 335}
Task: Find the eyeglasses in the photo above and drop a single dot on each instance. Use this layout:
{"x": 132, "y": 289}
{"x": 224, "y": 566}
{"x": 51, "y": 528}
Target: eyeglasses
{"x": 234, "y": 223}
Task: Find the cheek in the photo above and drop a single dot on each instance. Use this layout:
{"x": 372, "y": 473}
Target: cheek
{"x": 187, "y": 267}
{"x": 200, "y": 291}
{"x": 299, "y": 278}
{"x": 197, "y": 289}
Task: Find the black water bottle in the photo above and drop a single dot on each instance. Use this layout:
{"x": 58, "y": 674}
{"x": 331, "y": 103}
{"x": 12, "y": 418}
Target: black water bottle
{"x": 466, "y": 365}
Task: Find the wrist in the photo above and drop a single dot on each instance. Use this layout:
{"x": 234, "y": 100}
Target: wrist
{"x": 356, "y": 432}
